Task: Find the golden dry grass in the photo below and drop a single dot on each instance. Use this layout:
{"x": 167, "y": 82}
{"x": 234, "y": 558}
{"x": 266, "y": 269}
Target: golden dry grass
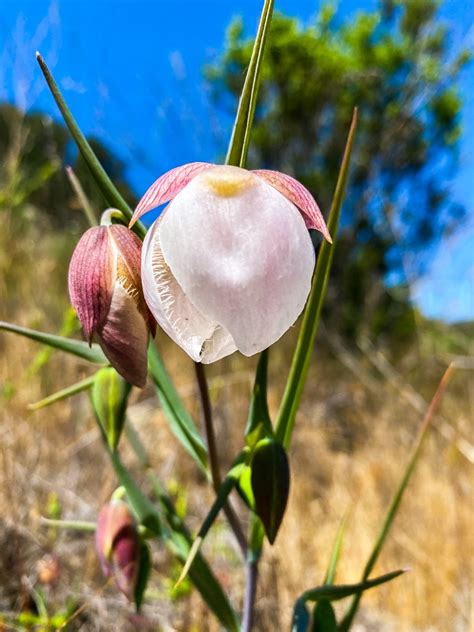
{"x": 352, "y": 439}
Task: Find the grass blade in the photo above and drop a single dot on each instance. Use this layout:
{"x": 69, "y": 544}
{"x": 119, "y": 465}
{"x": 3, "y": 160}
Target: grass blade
{"x": 334, "y": 593}
{"x": 240, "y": 140}
{"x": 309, "y": 327}
{"x": 64, "y": 393}
{"x": 78, "y": 348}
{"x": 397, "y": 498}
{"x": 109, "y": 190}
{"x": 180, "y": 421}
{"x": 335, "y": 553}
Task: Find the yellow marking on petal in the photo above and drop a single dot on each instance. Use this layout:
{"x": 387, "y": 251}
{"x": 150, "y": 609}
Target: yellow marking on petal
{"x": 227, "y": 181}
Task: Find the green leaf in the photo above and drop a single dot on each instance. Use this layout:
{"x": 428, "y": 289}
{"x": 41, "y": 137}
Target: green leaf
{"x": 64, "y": 393}
{"x": 309, "y": 327}
{"x": 239, "y": 143}
{"x": 222, "y": 495}
{"x": 78, "y": 348}
{"x": 300, "y": 620}
{"x": 334, "y": 593}
{"x": 324, "y": 619}
{"x": 144, "y": 569}
{"x": 244, "y": 487}
{"x": 335, "y": 553}
{"x": 259, "y": 424}
{"x": 397, "y": 497}
{"x": 270, "y": 484}
{"x": 143, "y": 508}
{"x": 109, "y": 399}
{"x": 179, "y": 540}
{"x": 105, "y": 184}
{"x": 181, "y": 423}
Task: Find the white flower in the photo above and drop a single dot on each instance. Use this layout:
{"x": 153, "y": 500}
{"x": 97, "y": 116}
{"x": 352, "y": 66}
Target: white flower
{"x": 228, "y": 264}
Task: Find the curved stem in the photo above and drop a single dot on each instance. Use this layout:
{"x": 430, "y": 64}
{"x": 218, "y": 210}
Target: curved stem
{"x": 208, "y": 426}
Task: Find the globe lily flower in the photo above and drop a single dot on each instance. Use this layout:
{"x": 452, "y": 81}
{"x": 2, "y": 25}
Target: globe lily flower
{"x": 118, "y": 545}
{"x": 228, "y": 264}
{"x": 106, "y": 291}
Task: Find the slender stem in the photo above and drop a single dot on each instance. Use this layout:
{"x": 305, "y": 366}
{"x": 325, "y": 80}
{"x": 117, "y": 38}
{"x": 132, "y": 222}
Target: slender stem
{"x": 82, "y": 197}
{"x": 213, "y": 457}
{"x": 250, "y": 594}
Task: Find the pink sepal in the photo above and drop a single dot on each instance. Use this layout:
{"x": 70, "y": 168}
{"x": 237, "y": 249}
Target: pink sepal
{"x": 168, "y": 186}
{"x": 299, "y": 195}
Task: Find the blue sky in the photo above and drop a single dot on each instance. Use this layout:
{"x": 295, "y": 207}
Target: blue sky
{"x": 131, "y": 71}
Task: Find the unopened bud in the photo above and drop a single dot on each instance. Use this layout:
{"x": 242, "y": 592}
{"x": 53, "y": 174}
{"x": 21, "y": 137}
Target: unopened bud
{"x": 118, "y": 546}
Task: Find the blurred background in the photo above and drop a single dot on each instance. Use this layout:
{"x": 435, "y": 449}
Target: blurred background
{"x": 154, "y": 84}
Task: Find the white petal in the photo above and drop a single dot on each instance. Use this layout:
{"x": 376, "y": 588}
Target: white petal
{"x": 203, "y": 339}
{"x": 241, "y": 253}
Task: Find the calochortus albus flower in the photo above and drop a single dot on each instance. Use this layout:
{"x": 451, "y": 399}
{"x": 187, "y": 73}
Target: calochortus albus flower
{"x": 106, "y": 291}
{"x": 228, "y": 264}
{"x": 118, "y": 545}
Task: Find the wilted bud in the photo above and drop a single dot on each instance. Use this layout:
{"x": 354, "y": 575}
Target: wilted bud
{"x": 118, "y": 546}
{"x": 109, "y": 398}
{"x": 228, "y": 265}
{"x": 106, "y": 292}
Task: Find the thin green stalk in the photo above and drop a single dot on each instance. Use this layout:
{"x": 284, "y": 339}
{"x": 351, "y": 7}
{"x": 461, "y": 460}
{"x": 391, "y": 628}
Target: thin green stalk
{"x": 309, "y": 327}
{"x": 81, "y": 196}
{"x": 64, "y": 393}
{"x": 109, "y": 190}
{"x": 397, "y": 498}
{"x": 239, "y": 142}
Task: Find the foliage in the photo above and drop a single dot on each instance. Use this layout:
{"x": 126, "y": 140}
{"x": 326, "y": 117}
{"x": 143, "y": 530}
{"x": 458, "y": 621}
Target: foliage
{"x": 394, "y": 64}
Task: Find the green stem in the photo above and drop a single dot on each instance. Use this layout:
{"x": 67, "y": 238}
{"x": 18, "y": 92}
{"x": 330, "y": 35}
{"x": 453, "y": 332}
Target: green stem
{"x": 79, "y": 191}
{"x": 309, "y": 327}
{"x": 239, "y": 143}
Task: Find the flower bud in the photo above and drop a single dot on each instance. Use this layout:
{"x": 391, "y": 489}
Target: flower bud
{"x": 228, "y": 265}
{"x": 118, "y": 546}
{"x": 109, "y": 399}
{"x": 106, "y": 292}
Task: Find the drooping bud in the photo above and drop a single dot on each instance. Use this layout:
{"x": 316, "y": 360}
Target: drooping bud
{"x": 118, "y": 546}
{"x": 106, "y": 292}
{"x": 109, "y": 398}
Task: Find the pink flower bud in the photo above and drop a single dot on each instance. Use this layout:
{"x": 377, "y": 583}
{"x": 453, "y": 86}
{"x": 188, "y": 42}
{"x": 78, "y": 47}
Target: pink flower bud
{"x": 228, "y": 265}
{"x": 106, "y": 292}
{"x": 118, "y": 546}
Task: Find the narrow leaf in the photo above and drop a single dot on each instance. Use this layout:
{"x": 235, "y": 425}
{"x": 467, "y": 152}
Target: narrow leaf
{"x": 334, "y": 593}
{"x": 179, "y": 540}
{"x": 82, "y": 197}
{"x": 239, "y": 144}
{"x": 397, "y": 497}
{"x": 335, "y": 553}
{"x": 300, "y": 620}
{"x": 259, "y": 424}
{"x": 64, "y": 393}
{"x": 144, "y": 569}
{"x": 270, "y": 484}
{"x": 309, "y": 327}
{"x": 222, "y": 495}
{"x": 324, "y": 618}
{"x": 181, "y": 423}
{"x": 68, "y": 345}
{"x": 110, "y": 192}
{"x": 143, "y": 508}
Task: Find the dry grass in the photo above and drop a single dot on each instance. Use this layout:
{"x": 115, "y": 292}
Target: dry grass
{"x": 351, "y": 443}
